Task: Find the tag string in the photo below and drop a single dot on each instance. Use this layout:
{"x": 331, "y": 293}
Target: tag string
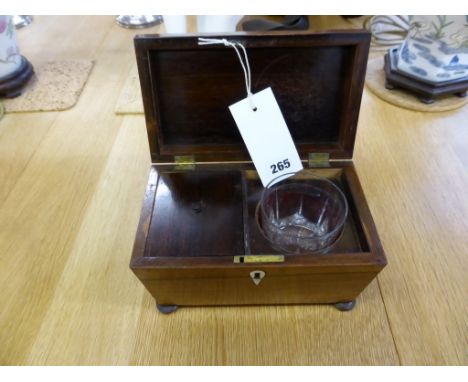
{"x": 245, "y": 66}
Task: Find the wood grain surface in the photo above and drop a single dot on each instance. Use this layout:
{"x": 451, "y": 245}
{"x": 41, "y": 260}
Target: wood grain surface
{"x": 71, "y": 188}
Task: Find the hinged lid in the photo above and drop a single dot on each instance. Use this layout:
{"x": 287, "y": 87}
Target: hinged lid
{"x": 317, "y": 79}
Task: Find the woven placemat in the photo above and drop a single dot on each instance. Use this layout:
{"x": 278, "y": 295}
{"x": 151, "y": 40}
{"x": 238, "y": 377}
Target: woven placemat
{"x": 130, "y": 101}
{"x": 56, "y": 85}
{"x": 375, "y": 81}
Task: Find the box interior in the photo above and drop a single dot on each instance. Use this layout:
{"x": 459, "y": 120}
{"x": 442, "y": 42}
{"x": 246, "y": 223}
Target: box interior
{"x": 211, "y": 212}
{"x": 204, "y": 82}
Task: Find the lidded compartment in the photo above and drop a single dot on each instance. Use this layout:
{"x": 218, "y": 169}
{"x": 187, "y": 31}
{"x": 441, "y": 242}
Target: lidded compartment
{"x": 302, "y": 215}
{"x": 203, "y": 210}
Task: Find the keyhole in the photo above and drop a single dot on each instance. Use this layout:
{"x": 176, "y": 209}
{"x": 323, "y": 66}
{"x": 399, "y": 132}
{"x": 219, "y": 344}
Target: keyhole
{"x": 257, "y": 276}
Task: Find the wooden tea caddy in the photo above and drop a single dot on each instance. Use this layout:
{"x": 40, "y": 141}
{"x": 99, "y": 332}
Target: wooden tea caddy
{"x": 198, "y": 242}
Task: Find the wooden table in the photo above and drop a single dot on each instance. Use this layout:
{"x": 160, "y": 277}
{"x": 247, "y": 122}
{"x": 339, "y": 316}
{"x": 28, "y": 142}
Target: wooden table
{"x": 71, "y": 187}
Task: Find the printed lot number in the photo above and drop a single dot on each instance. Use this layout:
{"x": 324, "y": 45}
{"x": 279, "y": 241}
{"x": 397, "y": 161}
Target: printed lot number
{"x": 280, "y": 166}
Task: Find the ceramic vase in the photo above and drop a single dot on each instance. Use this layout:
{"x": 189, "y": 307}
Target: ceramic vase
{"x": 10, "y": 58}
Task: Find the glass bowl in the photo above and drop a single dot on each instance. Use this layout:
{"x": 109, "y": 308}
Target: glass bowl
{"x": 305, "y": 216}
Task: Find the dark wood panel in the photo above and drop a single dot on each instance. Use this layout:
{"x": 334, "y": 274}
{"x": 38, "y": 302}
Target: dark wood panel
{"x": 197, "y": 88}
{"x": 224, "y": 267}
{"x": 296, "y": 289}
{"x": 317, "y": 79}
{"x": 366, "y": 226}
{"x": 146, "y": 212}
{"x": 197, "y": 213}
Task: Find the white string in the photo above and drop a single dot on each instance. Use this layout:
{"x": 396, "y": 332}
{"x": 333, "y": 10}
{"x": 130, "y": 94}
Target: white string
{"x": 245, "y": 67}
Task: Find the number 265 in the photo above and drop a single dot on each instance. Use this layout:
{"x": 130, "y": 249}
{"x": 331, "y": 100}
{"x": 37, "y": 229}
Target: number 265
{"x": 280, "y": 166}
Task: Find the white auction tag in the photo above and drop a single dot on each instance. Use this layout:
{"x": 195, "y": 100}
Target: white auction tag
{"x": 266, "y": 136}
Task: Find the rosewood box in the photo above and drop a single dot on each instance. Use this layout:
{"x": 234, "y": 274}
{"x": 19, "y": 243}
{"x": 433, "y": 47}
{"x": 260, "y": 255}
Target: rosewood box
{"x": 198, "y": 242}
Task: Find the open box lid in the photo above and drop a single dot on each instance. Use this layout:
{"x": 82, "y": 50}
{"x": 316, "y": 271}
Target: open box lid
{"x": 317, "y": 79}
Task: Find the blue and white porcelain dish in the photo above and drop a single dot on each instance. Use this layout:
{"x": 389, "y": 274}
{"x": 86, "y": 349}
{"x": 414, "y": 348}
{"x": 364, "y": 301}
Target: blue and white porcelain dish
{"x": 435, "y": 49}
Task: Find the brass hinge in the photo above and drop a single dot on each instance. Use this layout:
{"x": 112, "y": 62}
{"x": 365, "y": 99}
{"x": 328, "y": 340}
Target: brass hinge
{"x": 319, "y": 160}
{"x": 184, "y": 162}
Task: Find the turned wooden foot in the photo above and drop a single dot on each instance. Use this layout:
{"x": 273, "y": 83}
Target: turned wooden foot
{"x": 346, "y": 305}
{"x": 166, "y": 309}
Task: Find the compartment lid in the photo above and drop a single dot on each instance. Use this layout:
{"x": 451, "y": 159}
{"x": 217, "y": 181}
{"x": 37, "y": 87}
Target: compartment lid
{"x": 317, "y": 79}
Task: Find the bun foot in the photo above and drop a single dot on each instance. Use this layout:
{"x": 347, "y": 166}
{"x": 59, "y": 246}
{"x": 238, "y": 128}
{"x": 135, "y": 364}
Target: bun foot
{"x": 345, "y": 306}
{"x": 166, "y": 309}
